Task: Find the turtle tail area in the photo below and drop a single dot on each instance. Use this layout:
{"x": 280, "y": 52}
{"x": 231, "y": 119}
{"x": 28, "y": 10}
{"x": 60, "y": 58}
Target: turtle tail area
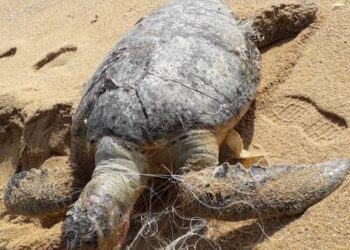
{"x": 48, "y": 190}
{"x": 231, "y": 192}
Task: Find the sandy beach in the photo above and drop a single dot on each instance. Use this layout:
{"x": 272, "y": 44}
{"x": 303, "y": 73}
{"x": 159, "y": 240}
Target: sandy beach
{"x": 49, "y": 49}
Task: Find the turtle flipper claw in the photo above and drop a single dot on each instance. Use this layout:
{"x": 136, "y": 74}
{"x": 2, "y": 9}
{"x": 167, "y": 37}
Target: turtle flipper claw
{"x": 259, "y": 191}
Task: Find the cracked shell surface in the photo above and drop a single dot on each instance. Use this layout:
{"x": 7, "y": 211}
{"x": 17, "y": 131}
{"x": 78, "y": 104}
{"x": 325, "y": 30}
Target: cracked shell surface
{"x": 186, "y": 66}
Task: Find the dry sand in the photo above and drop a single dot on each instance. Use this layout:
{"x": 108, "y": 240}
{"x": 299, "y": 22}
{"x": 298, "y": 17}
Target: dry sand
{"x": 314, "y": 66}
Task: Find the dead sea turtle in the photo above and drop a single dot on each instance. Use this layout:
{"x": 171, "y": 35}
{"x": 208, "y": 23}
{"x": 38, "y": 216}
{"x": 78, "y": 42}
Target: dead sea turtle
{"x": 165, "y": 98}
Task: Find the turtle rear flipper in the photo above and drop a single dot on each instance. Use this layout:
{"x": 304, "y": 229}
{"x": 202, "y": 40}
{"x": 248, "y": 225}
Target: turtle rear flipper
{"x": 43, "y": 191}
{"x": 231, "y": 192}
{"x": 246, "y": 158}
{"x": 279, "y": 22}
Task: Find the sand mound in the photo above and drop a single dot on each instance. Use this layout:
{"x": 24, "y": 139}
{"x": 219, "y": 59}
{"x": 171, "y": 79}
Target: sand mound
{"x": 301, "y": 115}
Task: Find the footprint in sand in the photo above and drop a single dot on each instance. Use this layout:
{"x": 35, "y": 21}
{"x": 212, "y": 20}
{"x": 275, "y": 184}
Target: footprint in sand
{"x": 320, "y": 125}
{"x": 8, "y": 52}
{"x": 51, "y": 56}
{"x": 344, "y": 110}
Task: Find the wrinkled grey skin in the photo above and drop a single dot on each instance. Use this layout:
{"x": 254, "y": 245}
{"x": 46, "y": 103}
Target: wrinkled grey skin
{"x": 167, "y": 95}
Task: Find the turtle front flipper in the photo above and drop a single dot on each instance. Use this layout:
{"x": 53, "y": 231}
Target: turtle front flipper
{"x": 231, "y": 192}
{"x": 99, "y": 219}
{"x": 39, "y": 192}
{"x": 279, "y": 22}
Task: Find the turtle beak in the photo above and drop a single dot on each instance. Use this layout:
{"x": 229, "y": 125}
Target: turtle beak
{"x": 258, "y": 191}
